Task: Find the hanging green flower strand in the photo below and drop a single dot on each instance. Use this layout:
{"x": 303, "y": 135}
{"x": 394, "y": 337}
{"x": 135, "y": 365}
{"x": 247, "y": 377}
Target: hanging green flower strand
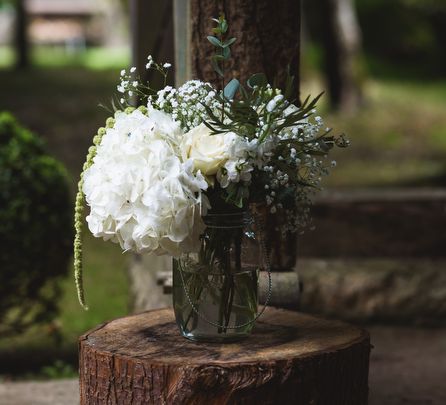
{"x": 80, "y": 206}
{"x": 79, "y": 214}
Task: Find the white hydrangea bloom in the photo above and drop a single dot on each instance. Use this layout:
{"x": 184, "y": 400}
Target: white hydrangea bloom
{"x": 141, "y": 193}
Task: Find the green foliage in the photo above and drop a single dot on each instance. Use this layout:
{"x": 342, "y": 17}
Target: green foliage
{"x": 257, "y": 112}
{"x": 35, "y": 228}
{"x": 411, "y": 32}
{"x": 223, "y": 51}
{"x": 58, "y": 370}
{"x": 222, "y": 55}
{"x": 6, "y": 3}
{"x": 246, "y": 115}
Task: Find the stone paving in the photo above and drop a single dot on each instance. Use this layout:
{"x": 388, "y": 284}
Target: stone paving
{"x": 408, "y": 367}
{"x": 55, "y": 392}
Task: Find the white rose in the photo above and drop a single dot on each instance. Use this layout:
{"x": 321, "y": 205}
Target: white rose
{"x": 208, "y": 152}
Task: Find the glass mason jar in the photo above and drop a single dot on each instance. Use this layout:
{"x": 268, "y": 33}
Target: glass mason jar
{"x": 215, "y": 290}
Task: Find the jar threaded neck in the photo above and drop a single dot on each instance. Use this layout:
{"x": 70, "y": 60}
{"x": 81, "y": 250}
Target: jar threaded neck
{"x": 229, "y": 220}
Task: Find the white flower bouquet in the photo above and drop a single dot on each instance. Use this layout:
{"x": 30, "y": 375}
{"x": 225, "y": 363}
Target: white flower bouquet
{"x": 156, "y": 171}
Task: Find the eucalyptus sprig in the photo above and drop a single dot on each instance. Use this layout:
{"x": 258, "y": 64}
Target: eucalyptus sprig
{"x": 222, "y": 52}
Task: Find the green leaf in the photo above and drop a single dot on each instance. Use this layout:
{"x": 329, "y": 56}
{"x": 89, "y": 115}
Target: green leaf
{"x": 214, "y": 41}
{"x": 314, "y": 101}
{"x": 231, "y": 88}
{"x": 304, "y": 104}
{"x": 289, "y": 85}
{"x": 226, "y": 53}
{"x": 243, "y": 92}
{"x": 257, "y": 79}
{"x": 207, "y": 124}
{"x": 229, "y": 42}
{"x": 224, "y": 26}
{"x": 216, "y": 67}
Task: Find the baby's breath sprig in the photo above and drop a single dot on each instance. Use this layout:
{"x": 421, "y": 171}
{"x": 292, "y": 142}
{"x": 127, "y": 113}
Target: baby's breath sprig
{"x": 132, "y": 86}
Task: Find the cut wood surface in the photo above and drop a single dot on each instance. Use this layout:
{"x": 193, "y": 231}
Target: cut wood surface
{"x": 290, "y": 358}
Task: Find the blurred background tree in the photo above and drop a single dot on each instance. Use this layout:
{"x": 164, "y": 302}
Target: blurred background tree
{"x": 35, "y": 229}
{"x": 334, "y": 26}
{"x": 21, "y": 34}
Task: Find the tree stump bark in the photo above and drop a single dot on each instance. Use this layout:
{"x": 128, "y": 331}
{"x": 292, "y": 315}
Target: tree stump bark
{"x": 290, "y": 358}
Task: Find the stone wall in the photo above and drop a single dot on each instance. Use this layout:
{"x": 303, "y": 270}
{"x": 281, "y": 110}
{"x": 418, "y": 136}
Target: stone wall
{"x": 376, "y": 255}
{"x": 404, "y": 291}
{"x": 378, "y": 223}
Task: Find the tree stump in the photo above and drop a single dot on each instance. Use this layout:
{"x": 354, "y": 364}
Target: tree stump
{"x": 290, "y": 358}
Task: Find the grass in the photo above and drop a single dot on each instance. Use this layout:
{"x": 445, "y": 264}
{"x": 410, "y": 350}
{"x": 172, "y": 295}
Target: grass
{"x": 52, "y": 348}
{"x": 6, "y": 57}
{"x": 398, "y": 138}
{"x": 105, "y": 277}
{"x": 94, "y": 58}
{"x": 62, "y": 105}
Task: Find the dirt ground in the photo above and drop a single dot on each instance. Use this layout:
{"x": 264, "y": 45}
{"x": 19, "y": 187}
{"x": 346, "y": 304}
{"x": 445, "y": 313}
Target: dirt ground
{"x": 408, "y": 367}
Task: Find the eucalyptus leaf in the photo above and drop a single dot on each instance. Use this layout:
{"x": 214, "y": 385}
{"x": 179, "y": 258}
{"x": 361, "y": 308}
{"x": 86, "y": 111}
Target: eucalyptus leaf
{"x": 216, "y": 67}
{"x": 226, "y": 53}
{"x": 224, "y": 26}
{"x": 257, "y": 79}
{"x": 229, "y": 42}
{"x": 231, "y": 89}
{"x": 214, "y": 41}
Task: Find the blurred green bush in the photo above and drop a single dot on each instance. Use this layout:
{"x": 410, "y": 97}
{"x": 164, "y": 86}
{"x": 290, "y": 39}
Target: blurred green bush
{"x": 35, "y": 228}
{"x": 405, "y": 32}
